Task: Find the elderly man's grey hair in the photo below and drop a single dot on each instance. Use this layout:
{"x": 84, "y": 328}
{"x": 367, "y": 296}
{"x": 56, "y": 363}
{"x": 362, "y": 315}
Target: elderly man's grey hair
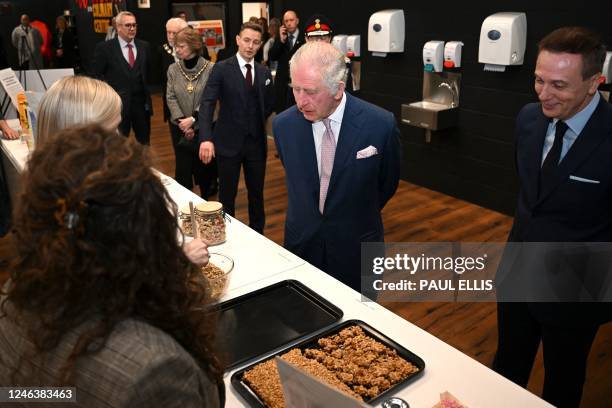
{"x": 327, "y": 58}
{"x": 122, "y": 14}
{"x": 178, "y": 21}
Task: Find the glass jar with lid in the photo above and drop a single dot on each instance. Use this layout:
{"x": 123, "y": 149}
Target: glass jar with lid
{"x": 211, "y": 222}
{"x": 185, "y": 221}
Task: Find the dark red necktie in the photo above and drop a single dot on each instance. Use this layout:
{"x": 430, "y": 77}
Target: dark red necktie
{"x": 249, "y": 76}
{"x": 131, "y": 59}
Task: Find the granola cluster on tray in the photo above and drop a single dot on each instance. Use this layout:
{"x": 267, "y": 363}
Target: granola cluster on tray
{"x": 351, "y": 361}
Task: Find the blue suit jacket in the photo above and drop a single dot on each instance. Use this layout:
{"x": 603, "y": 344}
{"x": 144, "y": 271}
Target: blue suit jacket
{"x": 569, "y": 210}
{"x": 226, "y": 84}
{"x": 358, "y": 189}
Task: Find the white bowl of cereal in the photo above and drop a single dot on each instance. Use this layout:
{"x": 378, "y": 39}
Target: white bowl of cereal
{"x": 218, "y": 272}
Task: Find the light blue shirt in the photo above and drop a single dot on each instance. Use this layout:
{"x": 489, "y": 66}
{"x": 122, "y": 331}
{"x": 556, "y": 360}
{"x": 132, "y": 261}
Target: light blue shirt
{"x": 575, "y": 124}
{"x": 124, "y": 49}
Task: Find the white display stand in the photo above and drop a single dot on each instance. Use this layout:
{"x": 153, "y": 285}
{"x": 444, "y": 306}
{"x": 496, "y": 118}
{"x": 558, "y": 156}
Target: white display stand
{"x": 31, "y": 82}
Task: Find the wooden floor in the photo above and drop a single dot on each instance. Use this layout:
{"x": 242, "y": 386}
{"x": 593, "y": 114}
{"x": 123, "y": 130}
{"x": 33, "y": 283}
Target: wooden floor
{"x": 416, "y": 214}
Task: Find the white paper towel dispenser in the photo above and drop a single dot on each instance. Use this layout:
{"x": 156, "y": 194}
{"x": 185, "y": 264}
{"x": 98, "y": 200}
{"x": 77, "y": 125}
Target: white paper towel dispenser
{"x": 503, "y": 37}
{"x": 386, "y": 32}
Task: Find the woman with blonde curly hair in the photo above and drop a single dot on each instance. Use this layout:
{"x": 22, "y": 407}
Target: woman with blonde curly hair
{"x": 101, "y": 296}
{"x": 77, "y": 100}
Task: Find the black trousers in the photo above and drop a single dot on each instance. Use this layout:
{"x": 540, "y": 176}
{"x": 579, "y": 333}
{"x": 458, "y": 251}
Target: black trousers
{"x": 253, "y": 159}
{"x": 136, "y": 116}
{"x": 566, "y": 350}
{"x": 189, "y": 167}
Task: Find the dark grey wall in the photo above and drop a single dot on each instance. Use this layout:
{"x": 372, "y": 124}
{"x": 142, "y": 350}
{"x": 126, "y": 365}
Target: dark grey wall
{"x": 11, "y": 11}
{"x": 473, "y": 161}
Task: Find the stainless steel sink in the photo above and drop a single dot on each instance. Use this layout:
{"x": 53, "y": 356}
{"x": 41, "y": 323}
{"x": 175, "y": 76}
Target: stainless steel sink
{"x": 439, "y": 107}
{"x": 429, "y": 115}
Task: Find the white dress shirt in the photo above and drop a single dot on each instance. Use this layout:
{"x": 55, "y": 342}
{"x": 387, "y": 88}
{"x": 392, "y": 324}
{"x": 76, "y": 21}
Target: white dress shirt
{"x": 318, "y": 129}
{"x": 124, "y": 49}
{"x": 242, "y": 62}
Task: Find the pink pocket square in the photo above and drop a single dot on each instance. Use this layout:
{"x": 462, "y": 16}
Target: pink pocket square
{"x": 367, "y": 152}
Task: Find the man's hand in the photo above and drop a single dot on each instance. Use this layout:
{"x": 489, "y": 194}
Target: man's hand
{"x": 283, "y": 33}
{"x": 197, "y": 252}
{"x": 207, "y": 152}
{"x": 185, "y": 124}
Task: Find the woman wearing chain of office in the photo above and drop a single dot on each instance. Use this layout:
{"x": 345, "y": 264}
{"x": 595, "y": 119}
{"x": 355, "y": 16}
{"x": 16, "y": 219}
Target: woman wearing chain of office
{"x": 186, "y": 81}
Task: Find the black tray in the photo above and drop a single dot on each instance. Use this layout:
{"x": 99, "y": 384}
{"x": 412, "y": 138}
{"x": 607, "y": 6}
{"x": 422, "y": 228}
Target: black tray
{"x": 253, "y": 400}
{"x": 259, "y": 322}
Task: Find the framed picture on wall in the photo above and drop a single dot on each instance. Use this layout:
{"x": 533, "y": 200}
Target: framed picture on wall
{"x": 144, "y": 3}
{"x": 198, "y": 11}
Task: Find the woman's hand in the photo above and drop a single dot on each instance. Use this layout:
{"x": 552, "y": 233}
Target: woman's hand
{"x": 186, "y": 123}
{"x": 197, "y": 251}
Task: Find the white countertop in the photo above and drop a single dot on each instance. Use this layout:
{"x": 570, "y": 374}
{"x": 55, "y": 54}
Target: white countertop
{"x": 255, "y": 257}
{"x": 446, "y": 368}
{"x": 15, "y": 150}
{"x": 260, "y": 262}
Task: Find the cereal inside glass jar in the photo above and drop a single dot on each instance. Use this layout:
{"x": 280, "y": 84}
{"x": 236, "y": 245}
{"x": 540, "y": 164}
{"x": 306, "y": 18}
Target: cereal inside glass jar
{"x": 211, "y": 222}
{"x": 185, "y": 221}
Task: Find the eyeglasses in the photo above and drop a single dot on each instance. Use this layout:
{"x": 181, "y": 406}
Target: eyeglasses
{"x": 130, "y": 25}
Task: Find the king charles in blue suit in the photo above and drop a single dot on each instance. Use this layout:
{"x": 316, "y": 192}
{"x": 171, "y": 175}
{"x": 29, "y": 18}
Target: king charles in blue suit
{"x": 327, "y": 229}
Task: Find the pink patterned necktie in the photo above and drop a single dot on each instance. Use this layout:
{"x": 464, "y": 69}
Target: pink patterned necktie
{"x": 131, "y": 59}
{"x": 328, "y": 151}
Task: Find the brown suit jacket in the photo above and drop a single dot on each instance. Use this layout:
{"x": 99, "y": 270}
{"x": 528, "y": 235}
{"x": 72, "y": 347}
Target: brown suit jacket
{"x": 139, "y": 366}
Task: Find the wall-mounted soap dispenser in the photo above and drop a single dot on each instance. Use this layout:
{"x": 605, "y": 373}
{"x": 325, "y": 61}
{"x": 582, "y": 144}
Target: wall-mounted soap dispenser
{"x": 339, "y": 41}
{"x": 606, "y": 72}
{"x": 433, "y": 56}
{"x": 503, "y": 37}
{"x": 353, "y": 46}
{"x": 386, "y": 32}
{"x": 452, "y": 54}
{"x": 606, "y": 77}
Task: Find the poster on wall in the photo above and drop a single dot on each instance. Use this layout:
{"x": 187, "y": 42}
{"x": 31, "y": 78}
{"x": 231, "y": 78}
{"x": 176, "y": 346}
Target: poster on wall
{"x": 144, "y": 4}
{"x": 103, "y": 12}
{"x": 211, "y": 32}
